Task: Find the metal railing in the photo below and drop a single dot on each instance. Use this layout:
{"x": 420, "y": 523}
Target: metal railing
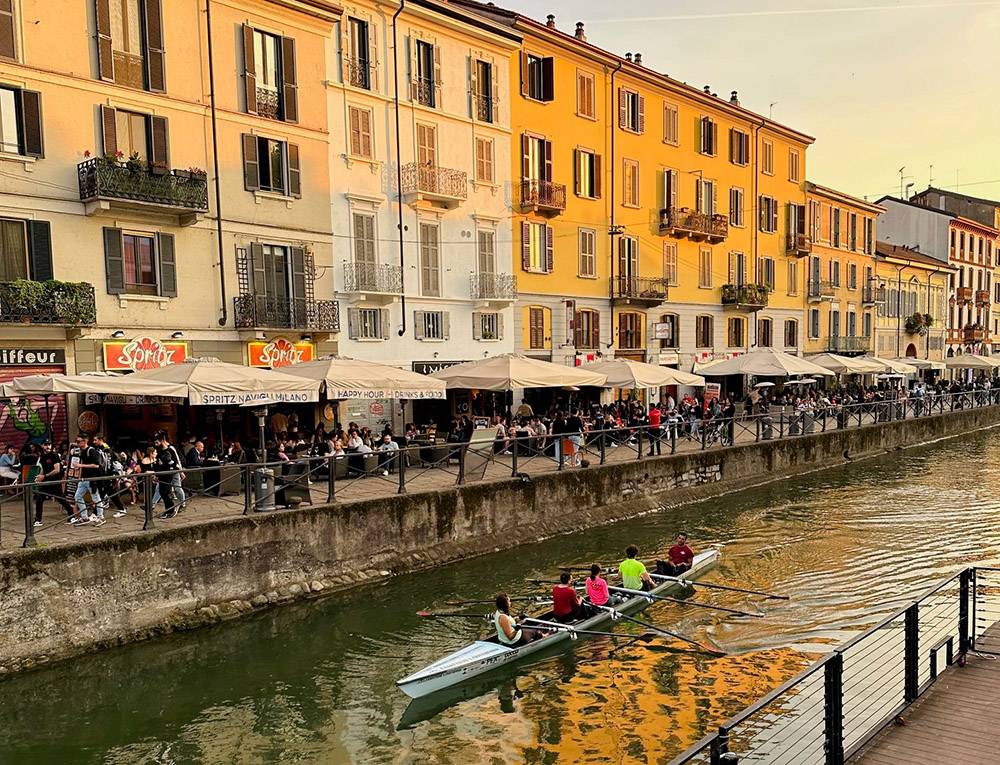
{"x": 373, "y": 277}
{"x": 982, "y": 297}
{"x": 849, "y": 344}
{"x": 268, "y": 103}
{"x": 869, "y": 296}
{"x": 101, "y": 178}
{"x": 359, "y": 72}
{"x": 545, "y": 195}
{"x": 817, "y": 289}
{"x": 485, "y": 286}
{"x": 748, "y": 296}
{"x": 973, "y": 334}
{"x": 963, "y": 294}
{"x": 829, "y": 712}
{"x": 485, "y": 106}
{"x": 643, "y": 288}
{"x": 798, "y": 244}
{"x": 253, "y": 311}
{"x": 687, "y": 222}
{"x": 63, "y": 303}
{"x": 424, "y": 91}
{"x": 436, "y": 181}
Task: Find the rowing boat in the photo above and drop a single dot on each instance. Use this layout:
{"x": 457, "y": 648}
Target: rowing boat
{"x": 487, "y": 655}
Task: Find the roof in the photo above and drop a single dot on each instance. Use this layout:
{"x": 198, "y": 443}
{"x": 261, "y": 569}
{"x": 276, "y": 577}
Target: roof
{"x": 323, "y": 9}
{"x": 514, "y": 19}
{"x": 840, "y": 195}
{"x": 908, "y": 203}
{"x": 899, "y": 252}
{"x": 456, "y": 10}
{"x": 966, "y": 197}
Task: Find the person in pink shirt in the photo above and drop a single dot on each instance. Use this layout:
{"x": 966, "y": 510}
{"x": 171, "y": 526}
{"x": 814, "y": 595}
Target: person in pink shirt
{"x": 597, "y": 587}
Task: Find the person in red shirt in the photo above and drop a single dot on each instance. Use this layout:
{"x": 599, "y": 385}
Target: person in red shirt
{"x": 679, "y": 558}
{"x": 565, "y": 601}
{"x": 655, "y": 418}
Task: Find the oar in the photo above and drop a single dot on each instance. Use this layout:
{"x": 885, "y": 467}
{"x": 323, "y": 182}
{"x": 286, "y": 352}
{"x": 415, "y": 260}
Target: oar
{"x": 700, "y": 646}
{"x": 531, "y": 598}
{"x": 690, "y": 583}
{"x": 449, "y": 615}
{"x": 643, "y": 594}
{"x": 645, "y": 637}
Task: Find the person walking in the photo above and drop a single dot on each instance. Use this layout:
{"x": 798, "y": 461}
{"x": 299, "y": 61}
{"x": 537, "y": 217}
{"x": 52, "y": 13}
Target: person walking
{"x": 90, "y": 470}
{"x": 51, "y": 470}
{"x": 167, "y": 461}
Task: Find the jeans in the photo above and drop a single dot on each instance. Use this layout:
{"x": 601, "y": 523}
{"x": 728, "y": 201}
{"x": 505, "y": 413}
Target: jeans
{"x": 81, "y": 502}
{"x": 175, "y": 483}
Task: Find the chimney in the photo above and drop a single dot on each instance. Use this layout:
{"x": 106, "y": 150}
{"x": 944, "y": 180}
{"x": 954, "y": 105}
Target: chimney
{"x": 708, "y": 90}
{"x": 638, "y": 59}
{"x": 734, "y": 98}
{"x": 579, "y": 32}
{"x": 550, "y": 21}
{"x": 628, "y": 57}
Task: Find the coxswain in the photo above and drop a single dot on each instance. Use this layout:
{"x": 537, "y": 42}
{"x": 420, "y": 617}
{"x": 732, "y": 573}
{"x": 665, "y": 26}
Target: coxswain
{"x": 566, "y": 602}
{"x": 509, "y": 632}
{"x": 634, "y": 574}
{"x": 680, "y": 557}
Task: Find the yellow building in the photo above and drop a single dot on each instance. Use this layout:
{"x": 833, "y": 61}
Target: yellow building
{"x": 839, "y": 287}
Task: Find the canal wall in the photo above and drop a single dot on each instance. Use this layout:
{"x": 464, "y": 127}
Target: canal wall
{"x": 61, "y": 601}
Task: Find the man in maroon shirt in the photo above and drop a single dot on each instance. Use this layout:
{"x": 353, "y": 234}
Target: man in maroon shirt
{"x": 565, "y": 601}
{"x": 679, "y": 558}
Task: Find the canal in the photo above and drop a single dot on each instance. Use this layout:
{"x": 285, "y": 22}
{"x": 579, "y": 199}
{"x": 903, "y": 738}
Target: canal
{"x": 314, "y": 683}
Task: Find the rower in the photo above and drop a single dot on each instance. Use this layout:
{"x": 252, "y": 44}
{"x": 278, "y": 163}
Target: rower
{"x": 566, "y": 603}
{"x": 597, "y": 588}
{"x": 680, "y": 557}
{"x": 509, "y": 633}
{"x": 634, "y": 574}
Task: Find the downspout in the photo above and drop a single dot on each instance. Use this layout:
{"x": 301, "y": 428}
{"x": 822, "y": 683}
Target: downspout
{"x": 399, "y": 167}
{"x": 224, "y": 318}
{"x": 612, "y": 229}
{"x": 755, "y": 223}
{"x": 899, "y": 307}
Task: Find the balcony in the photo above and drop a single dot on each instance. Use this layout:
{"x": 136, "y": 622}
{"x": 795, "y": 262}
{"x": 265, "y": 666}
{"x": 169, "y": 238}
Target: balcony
{"x": 744, "y": 297}
{"x": 486, "y": 108}
{"x": 982, "y": 297}
{"x": 440, "y": 186}
{"x": 819, "y": 290}
{"x": 108, "y": 187}
{"x": 849, "y": 345}
{"x": 358, "y": 73}
{"x": 869, "y": 296}
{"x": 543, "y": 197}
{"x": 129, "y": 69}
{"x": 65, "y": 304}
{"x": 974, "y": 334}
{"x": 700, "y": 227}
{"x": 373, "y": 282}
{"x": 253, "y": 311}
{"x": 268, "y": 103}
{"x": 634, "y": 290}
{"x": 493, "y": 289}
{"x": 963, "y": 295}
{"x": 424, "y": 91}
{"x": 799, "y": 245}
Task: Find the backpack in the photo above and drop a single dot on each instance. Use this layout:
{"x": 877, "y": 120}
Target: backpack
{"x": 104, "y": 461}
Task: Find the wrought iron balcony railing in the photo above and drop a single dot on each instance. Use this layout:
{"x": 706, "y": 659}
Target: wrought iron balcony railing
{"x": 373, "y": 277}
{"x": 493, "y": 286}
{"x": 849, "y": 344}
{"x": 358, "y": 72}
{"x": 637, "y": 289}
{"x": 982, "y": 297}
{"x": 544, "y": 196}
{"x": 424, "y": 91}
{"x": 436, "y": 183}
{"x": 748, "y": 297}
{"x": 799, "y": 244}
{"x": 683, "y": 221}
{"x": 973, "y": 335}
{"x": 963, "y": 294}
{"x": 817, "y": 290}
{"x": 268, "y": 103}
{"x": 61, "y": 303}
{"x": 869, "y": 296}
{"x": 265, "y": 312}
{"x": 486, "y": 108}
{"x": 107, "y": 179}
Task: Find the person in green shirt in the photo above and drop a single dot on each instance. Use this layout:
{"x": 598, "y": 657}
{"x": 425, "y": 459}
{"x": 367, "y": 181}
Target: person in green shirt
{"x": 634, "y": 575}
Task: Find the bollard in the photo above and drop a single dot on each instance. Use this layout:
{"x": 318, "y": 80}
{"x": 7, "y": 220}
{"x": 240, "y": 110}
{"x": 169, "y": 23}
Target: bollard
{"x": 461, "y": 464}
{"x": 29, "y": 520}
{"x": 757, "y": 429}
{"x": 513, "y": 462}
{"x": 638, "y": 454}
{"x": 673, "y": 439}
{"x": 781, "y": 424}
{"x": 704, "y": 436}
{"x": 604, "y": 448}
{"x": 562, "y": 451}
{"x": 147, "y": 501}
{"x": 247, "y": 489}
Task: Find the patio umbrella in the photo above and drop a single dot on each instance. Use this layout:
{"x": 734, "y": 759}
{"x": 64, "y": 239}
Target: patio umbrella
{"x": 845, "y": 365}
{"x": 764, "y": 385}
{"x": 892, "y": 365}
{"x": 623, "y": 373}
{"x": 104, "y": 384}
{"x": 803, "y": 381}
{"x": 353, "y": 378}
{"x": 511, "y": 371}
{"x": 970, "y": 361}
{"x": 922, "y": 364}
{"x": 767, "y": 362}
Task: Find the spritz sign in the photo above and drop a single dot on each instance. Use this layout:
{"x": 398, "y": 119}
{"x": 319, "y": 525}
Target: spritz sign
{"x": 142, "y": 353}
{"x": 279, "y": 352}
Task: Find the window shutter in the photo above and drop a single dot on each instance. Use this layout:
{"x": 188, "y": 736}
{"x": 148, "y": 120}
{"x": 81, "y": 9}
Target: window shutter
{"x": 294, "y": 171}
{"x": 499, "y": 326}
{"x": 446, "y": 325}
{"x": 159, "y": 145}
{"x": 525, "y": 157}
{"x": 105, "y": 57}
{"x": 154, "y": 60}
{"x": 577, "y": 159}
{"x": 8, "y": 48}
{"x": 597, "y": 330}
{"x": 384, "y": 316}
{"x": 761, "y": 213}
{"x": 774, "y": 215}
{"x": 373, "y": 57}
{"x": 477, "y": 325}
{"x": 524, "y": 73}
{"x": 289, "y": 77}
{"x": 598, "y": 172}
{"x": 258, "y": 269}
{"x": 473, "y": 86}
{"x": 40, "y": 249}
{"x": 732, "y": 145}
{"x": 353, "y": 316}
{"x": 549, "y": 249}
{"x": 251, "y": 163}
{"x": 526, "y": 245}
{"x": 714, "y": 137}
{"x": 109, "y": 131}
{"x": 33, "y": 144}
{"x": 437, "y": 76}
{"x": 548, "y": 78}
{"x": 414, "y": 69}
{"x": 622, "y": 108}
{"x": 641, "y": 124}
{"x": 418, "y": 325}
{"x": 715, "y": 198}
{"x": 249, "y": 70}
{"x": 300, "y": 275}
{"x": 168, "y": 265}
{"x": 698, "y": 184}
{"x": 547, "y": 167}
{"x": 577, "y": 329}
{"x": 731, "y": 279}
{"x": 114, "y": 262}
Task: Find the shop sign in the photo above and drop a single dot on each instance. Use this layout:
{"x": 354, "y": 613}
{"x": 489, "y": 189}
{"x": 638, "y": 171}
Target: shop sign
{"x": 88, "y": 422}
{"x": 376, "y": 409}
{"x": 279, "y": 352}
{"x": 430, "y": 367}
{"x": 712, "y": 392}
{"x": 142, "y": 353}
{"x": 32, "y": 357}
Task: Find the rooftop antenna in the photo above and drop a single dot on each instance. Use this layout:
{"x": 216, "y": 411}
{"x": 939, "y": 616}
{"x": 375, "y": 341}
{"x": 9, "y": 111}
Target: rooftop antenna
{"x": 930, "y": 181}
{"x": 901, "y": 170}
{"x": 909, "y": 186}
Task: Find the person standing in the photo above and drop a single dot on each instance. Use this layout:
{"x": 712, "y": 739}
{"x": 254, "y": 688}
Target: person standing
{"x": 176, "y": 478}
{"x": 575, "y": 430}
{"x": 655, "y": 440}
{"x": 90, "y": 471}
{"x": 167, "y": 461}
{"x": 51, "y": 470}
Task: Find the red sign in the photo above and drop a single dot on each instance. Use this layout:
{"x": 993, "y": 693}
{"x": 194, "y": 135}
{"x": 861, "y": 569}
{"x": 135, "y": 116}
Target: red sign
{"x": 279, "y": 353}
{"x": 376, "y": 409}
{"x": 142, "y": 353}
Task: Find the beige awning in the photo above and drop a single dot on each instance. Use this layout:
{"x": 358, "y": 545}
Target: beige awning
{"x": 846, "y": 365}
{"x": 102, "y": 384}
{"x": 512, "y": 371}
{"x": 923, "y": 365}
{"x": 766, "y": 362}
{"x": 971, "y": 361}
{"x": 625, "y": 373}
{"x": 354, "y": 378}
{"x": 892, "y": 365}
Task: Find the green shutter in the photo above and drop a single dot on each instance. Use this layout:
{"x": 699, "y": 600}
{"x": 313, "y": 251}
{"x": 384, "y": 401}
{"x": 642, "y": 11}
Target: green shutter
{"x": 114, "y": 261}
{"x": 40, "y": 249}
{"x": 168, "y": 265}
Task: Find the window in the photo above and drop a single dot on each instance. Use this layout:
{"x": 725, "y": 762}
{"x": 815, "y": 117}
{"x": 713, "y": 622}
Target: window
{"x": 585, "y": 95}
{"x": 588, "y": 253}
{"x": 8, "y": 38}
{"x": 20, "y": 122}
{"x": 671, "y": 124}
{"x": 630, "y": 183}
{"x": 708, "y": 135}
{"x": 705, "y": 196}
{"x": 139, "y": 263}
{"x": 536, "y": 328}
{"x": 630, "y": 330}
{"x": 737, "y": 273}
{"x": 768, "y": 214}
{"x": 670, "y": 186}
{"x": 814, "y": 221}
{"x": 129, "y": 43}
{"x": 368, "y": 323}
{"x": 736, "y": 201}
{"x": 835, "y": 272}
{"x": 587, "y": 329}
{"x": 270, "y": 165}
{"x": 765, "y": 333}
{"x": 670, "y": 269}
{"x": 869, "y": 236}
{"x": 132, "y": 135}
{"x": 669, "y": 331}
{"x": 425, "y": 76}
{"x": 486, "y": 252}
{"x": 631, "y": 111}
{"x": 793, "y": 277}
{"x": 814, "y": 323}
{"x": 705, "y": 268}
{"x": 628, "y": 264}
{"x": 361, "y": 131}
{"x": 793, "y": 165}
{"x": 13, "y": 251}
{"x": 736, "y": 332}
{"x": 791, "y": 333}
{"x": 536, "y": 158}
{"x": 835, "y": 226}
{"x": 365, "y": 252}
{"x": 430, "y": 260}
{"x": 537, "y": 77}
{"x": 359, "y": 54}
{"x": 138, "y": 252}
{"x": 866, "y": 324}
{"x": 536, "y": 247}
{"x": 835, "y": 323}
{"x": 852, "y": 324}
{"x": 587, "y": 179}
{"x": 739, "y": 147}
{"x": 703, "y": 332}
{"x": 487, "y": 325}
{"x": 483, "y": 95}
{"x": 430, "y": 325}
{"x": 767, "y": 157}
{"x": 852, "y": 276}
{"x": 765, "y": 273}
{"x": 852, "y": 232}
{"x": 484, "y": 160}
{"x": 269, "y": 75}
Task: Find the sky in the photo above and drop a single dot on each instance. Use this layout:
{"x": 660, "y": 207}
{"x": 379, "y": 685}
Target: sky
{"x": 880, "y": 84}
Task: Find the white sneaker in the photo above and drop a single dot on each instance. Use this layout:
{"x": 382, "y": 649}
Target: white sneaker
{"x": 38, "y": 523}
{"x": 98, "y": 522}
{"x": 385, "y": 472}
{"x": 120, "y": 514}
{"x": 82, "y": 521}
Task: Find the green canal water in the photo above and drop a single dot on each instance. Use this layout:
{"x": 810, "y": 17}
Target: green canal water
{"x": 314, "y": 683}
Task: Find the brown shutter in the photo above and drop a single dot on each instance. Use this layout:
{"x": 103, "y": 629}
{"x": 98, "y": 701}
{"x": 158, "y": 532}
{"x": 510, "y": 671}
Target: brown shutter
{"x": 105, "y": 57}
{"x": 258, "y": 269}
{"x": 109, "y": 131}
{"x": 642, "y": 115}
{"x": 40, "y": 249}
{"x": 31, "y": 123}
{"x": 577, "y": 156}
{"x": 525, "y": 158}
{"x": 8, "y": 48}
{"x": 437, "y": 76}
{"x": 114, "y": 262}
{"x": 251, "y": 163}
{"x": 168, "y": 265}
{"x": 159, "y": 145}
{"x": 598, "y": 172}
{"x": 597, "y": 330}
{"x": 526, "y": 245}
{"x": 289, "y": 75}
{"x": 294, "y": 171}
{"x": 549, "y": 249}
{"x": 547, "y": 168}
{"x": 155, "y": 72}
{"x": 622, "y": 108}
{"x": 249, "y": 70}
{"x": 524, "y": 73}
{"x": 732, "y": 145}
{"x": 297, "y": 299}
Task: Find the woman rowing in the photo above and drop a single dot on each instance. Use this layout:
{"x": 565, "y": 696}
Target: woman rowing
{"x": 597, "y": 588}
{"x": 509, "y": 632}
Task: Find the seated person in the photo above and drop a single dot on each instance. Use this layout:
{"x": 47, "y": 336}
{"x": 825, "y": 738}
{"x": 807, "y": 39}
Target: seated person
{"x": 680, "y": 557}
{"x": 566, "y": 603}
{"x": 509, "y": 632}
{"x": 633, "y": 572}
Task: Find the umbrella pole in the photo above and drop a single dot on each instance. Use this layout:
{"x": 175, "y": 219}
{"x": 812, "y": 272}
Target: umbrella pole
{"x": 261, "y": 420}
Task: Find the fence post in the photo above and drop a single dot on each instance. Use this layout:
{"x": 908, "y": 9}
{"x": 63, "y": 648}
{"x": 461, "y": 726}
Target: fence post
{"x": 461, "y": 464}
{"x": 756, "y": 436}
{"x": 951, "y": 402}
{"x": 331, "y": 477}
{"x": 604, "y": 446}
{"x": 638, "y": 454}
{"x": 29, "y": 518}
{"x": 833, "y": 709}
{"x": 781, "y": 423}
{"x": 673, "y": 438}
{"x": 704, "y": 435}
{"x": 963, "y": 612}
{"x": 147, "y": 501}
{"x": 719, "y": 747}
{"x": 561, "y": 449}
{"x": 911, "y": 659}
{"x": 513, "y": 462}
{"x": 401, "y": 469}
{"x": 247, "y": 489}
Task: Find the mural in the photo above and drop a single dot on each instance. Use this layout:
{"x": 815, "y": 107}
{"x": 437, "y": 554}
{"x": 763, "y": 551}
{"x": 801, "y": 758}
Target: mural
{"x": 26, "y": 421}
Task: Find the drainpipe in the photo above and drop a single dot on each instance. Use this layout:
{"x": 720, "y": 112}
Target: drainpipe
{"x": 399, "y": 166}
{"x": 611, "y": 230}
{"x": 755, "y": 223}
{"x": 899, "y": 312}
{"x": 223, "y": 319}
